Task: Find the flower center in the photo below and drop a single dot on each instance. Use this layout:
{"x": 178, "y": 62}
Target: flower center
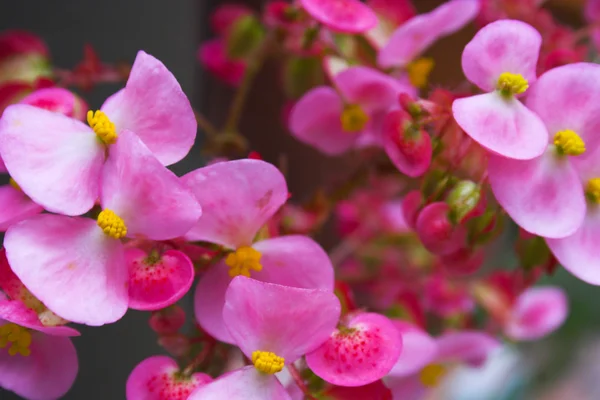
{"x": 568, "y": 143}
{"x": 243, "y": 260}
{"x": 267, "y": 362}
{"x": 102, "y": 126}
{"x": 18, "y": 337}
{"x": 112, "y": 224}
{"x": 510, "y": 84}
{"x": 432, "y": 374}
{"x": 419, "y": 70}
{"x": 592, "y": 190}
{"x": 353, "y": 118}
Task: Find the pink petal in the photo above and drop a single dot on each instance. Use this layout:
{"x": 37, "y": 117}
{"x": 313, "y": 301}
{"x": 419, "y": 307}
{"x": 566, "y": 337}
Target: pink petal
{"x": 151, "y": 199}
{"x": 46, "y": 374}
{"x": 537, "y": 312}
{"x": 158, "y": 378}
{"x": 238, "y": 198}
{"x": 503, "y": 126}
{"x": 578, "y": 253}
{"x": 58, "y": 100}
{"x": 16, "y": 312}
{"x": 348, "y": 16}
{"x": 466, "y": 346}
{"x": 361, "y": 356}
{"x": 242, "y": 384}
{"x": 418, "y": 350}
{"x": 315, "y": 120}
{"x": 502, "y": 46}
{"x": 287, "y": 321}
{"x": 209, "y": 299}
{"x": 56, "y": 160}
{"x": 15, "y": 206}
{"x": 411, "y": 155}
{"x": 575, "y": 101}
{"x": 154, "y": 107}
{"x": 160, "y": 284}
{"x": 78, "y": 272}
{"x": 544, "y": 196}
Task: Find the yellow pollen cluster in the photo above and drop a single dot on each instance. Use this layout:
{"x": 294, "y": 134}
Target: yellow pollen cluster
{"x": 243, "y": 260}
{"x": 419, "y": 70}
{"x": 569, "y": 143}
{"x": 510, "y": 84}
{"x": 432, "y": 374}
{"x": 14, "y": 184}
{"x": 592, "y": 190}
{"x": 18, "y": 337}
{"x": 353, "y": 118}
{"x": 102, "y": 126}
{"x": 112, "y": 224}
{"x": 267, "y": 362}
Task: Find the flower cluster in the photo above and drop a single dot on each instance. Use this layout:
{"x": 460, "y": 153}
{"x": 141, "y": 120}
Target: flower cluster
{"x": 96, "y": 223}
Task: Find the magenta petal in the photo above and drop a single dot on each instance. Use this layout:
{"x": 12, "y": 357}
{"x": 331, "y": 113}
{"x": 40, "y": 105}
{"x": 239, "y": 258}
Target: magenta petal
{"x": 151, "y": 199}
{"x": 55, "y": 159}
{"x": 537, "y": 312}
{"x": 544, "y": 196}
{"x": 466, "y": 346}
{"x": 578, "y": 253}
{"x": 157, "y": 378}
{"x": 238, "y": 198}
{"x": 502, "y": 46}
{"x": 503, "y": 126}
{"x": 363, "y": 355}
{"x": 418, "y": 350}
{"x": 242, "y": 384}
{"x": 46, "y": 374}
{"x": 154, "y": 107}
{"x": 348, "y": 16}
{"x": 574, "y": 104}
{"x": 159, "y": 284}
{"x": 15, "y": 206}
{"x": 209, "y": 299}
{"x": 77, "y": 271}
{"x": 289, "y": 322}
{"x": 18, "y": 313}
{"x": 315, "y": 120}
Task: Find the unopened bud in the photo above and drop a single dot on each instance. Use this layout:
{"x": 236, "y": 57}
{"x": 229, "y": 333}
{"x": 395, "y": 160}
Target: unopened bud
{"x": 168, "y": 320}
{"x": 245, "y": 36}
{"x": 437, "y": 233}
{"x": 411, "y": 204}
{"x": 176, "y": 345}
{"x": 407, "y": 145}
{"x": 463, "y": 199}
{"x": 23, "y": 57}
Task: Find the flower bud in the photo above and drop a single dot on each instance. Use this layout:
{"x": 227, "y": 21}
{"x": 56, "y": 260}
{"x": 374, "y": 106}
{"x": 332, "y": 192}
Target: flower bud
{"x": 407, "y": 146}
{"x": 168, "y": 320}
{"x": 464, "y": 261}
{"x": 58, "y": 100}
{"x": 225, "y": 16}
{"x": 281, "y": 14}
{"x": 245, "y": 36}
{"x": 176, "y": 345}
{"x": 463, "y": 199}
{"x": 437, "y": 233}
{"x": 302, "y": 74}
{"x": 23, "y": 57}
{"x": 214, "y": 58}
{"x": 411, "y": 205}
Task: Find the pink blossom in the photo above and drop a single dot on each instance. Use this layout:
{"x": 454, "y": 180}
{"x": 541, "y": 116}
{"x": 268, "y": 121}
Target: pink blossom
{"x": 273, "y": 326}
{"x": 213, "y": 56}
{"x": 348, "y": 16}
{"x": 238, "y": 198}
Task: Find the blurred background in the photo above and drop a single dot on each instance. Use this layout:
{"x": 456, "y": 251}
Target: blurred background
{"x": 565, "y": 366}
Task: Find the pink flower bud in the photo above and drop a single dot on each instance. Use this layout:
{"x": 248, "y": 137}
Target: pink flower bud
{"x": 437, "y": 232}
{"x": 411, "y": 205}
{"x": 23, "y": 56}
{"x": 281, "y": 14}
{"x": 58, "y": 100}
{"x": 213, "y": 56}
{"x": 223, "y": 18}
{"x": 176, "y": 345}
{"x": 465, "y": 261}
{"x": 168, "y": 320}
{"x": 463, "y": 200}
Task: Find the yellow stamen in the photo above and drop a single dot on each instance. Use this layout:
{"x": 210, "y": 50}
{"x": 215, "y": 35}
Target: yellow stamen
{"x": 102, "y": 126}
{"x": 432, "y": 375}
{"x": 243, "y": 260}
{"x": 569, "y": 143}
{"x": 592, "y": 190}
{"x": 510, "y": 84}
{"x": 18, "y": 337}
{"x": 353, "y": 118}
{"x": 267, "y": 362}
{"x": 419, "y": 70}
{"x": 14, "y": 184}
{"x": 112, "y": 224}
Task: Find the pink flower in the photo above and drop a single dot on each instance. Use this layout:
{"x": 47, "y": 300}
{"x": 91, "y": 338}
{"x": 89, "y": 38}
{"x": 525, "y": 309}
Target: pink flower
{"x": 425, "y": 361}
{"x": 58, "y": 100}
{"x": 213, "y": 55}
{"x": 418, "y": 33}
{"x": 238, "y": 198}
{"x": 545, "y": 195}
{"x": 80, "y": 271}
{"x": 226, "y": 15}
{"x": 273, "y": 326}
{"x": 334, "y": 123}
{"x": 501, "y": 59}
{"x": 159, "y": 378}
{"x": 348, "y": 16}
{"x": 65, "y": 158}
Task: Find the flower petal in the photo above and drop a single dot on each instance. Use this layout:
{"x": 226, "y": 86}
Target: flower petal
{"x": 15, "y": 206}
{"x": 71, "y": 266}
{"x": 418, "y": 350}
{"x": 503, "y": 126}
{"x": 18, "y": 313}
{"x": 154, "y": 107}
{"x": 348, "y": 16}
{"x": 238, "y": 198}
{"x": 289, "y": 322}
{"x": 502, "y": 46}
{"x": 46, "y": 374}
{"x": 56, "y": 160}
{"x": 544, "y": 196}
{"x": 151, "y": 199}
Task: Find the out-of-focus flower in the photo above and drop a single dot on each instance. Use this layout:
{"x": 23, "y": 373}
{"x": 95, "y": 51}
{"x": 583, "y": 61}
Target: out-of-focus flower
{"x": 349, "y": 16}
{"x": 24, "y": 57}
{"x": 213, "y": 55}
{"x": 58, "y": 100}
